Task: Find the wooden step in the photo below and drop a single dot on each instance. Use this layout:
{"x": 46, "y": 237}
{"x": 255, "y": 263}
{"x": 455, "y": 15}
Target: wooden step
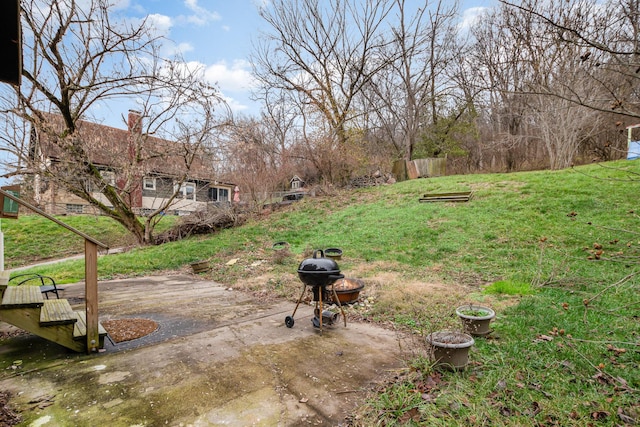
{"x": 57, "y": 312}
{"x": 80, "y": 328}
{"x": 459, "y": 196}
{"x": 22, "y": 297}
{"x": 29, "y": 320}
{"x": 4, "y": 280}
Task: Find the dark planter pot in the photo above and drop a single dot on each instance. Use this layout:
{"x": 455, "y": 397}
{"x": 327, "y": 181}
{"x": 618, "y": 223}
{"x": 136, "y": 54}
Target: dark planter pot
{"x": 333, "y": 253}
{"x": 449, "y": 349}
{"x": 476, "y": 319}
{"x": 200, "y": 266}
{"x": 278, "y": 246}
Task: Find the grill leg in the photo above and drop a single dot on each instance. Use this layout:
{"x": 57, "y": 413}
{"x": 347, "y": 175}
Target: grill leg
{"x": 299, "y": 299}
{"x": 320, "y": 308}
{"x": 335, "y": 298}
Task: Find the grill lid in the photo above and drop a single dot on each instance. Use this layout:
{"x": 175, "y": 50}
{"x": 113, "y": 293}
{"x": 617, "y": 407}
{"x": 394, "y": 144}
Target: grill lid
{"x": 318, "y": 265}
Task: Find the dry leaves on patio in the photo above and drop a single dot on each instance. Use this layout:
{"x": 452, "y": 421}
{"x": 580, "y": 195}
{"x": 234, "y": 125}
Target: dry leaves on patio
{"x": 120, "y": 330}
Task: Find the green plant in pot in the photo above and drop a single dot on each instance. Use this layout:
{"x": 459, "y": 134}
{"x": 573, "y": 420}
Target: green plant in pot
{"x": 476, "y": 319}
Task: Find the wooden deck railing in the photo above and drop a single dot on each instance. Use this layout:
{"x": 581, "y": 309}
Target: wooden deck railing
{"x": 90, "y": 272}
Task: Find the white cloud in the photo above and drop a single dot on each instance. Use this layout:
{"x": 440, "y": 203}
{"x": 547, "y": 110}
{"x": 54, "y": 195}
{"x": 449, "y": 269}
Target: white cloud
{"x": 184, "y": 47}
{"x": 234, "y": 78}
{"x": 201, "y": 15}
{"x": 235, "y": 105}
{"x": 470, "y": 16}
{"x": 161, "y": 23}
{"x": 121, "y": 4}
{"x": 171, "y": 49}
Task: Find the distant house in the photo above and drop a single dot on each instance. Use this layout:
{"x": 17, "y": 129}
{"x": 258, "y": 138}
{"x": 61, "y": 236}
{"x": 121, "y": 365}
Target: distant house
{"x": 296, "y": 183}
{"x": 147, "y": 189}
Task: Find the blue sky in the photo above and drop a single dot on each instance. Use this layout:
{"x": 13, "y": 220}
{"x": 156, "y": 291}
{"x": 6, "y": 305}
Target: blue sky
{"x": 218, "y": 34}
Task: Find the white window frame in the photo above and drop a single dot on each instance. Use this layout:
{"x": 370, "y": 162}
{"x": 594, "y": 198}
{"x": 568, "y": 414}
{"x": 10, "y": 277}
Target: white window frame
{"x": 109, "y": 177}
{"x": 149, "y": 180}
{"x": 185, "y": 192}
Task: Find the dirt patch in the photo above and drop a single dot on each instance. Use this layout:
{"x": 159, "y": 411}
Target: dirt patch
{"x": 121, "y": 330}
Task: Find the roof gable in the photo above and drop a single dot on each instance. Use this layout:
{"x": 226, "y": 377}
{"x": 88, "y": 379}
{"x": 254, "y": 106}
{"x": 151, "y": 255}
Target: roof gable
{"x": 121, "y": 149}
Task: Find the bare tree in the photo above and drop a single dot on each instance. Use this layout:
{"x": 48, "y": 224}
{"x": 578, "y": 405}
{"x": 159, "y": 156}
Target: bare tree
{"x": 563, "y": 128}
{"x": 499, "y": 64}
{"x": 406, "y": 96}
{"x": 605, "y": 40}
{"x": 530, "y": 77}
{"x": 325, "y": 52}
{"x": 78, "y": 57}
{"x": 256, "y": 160}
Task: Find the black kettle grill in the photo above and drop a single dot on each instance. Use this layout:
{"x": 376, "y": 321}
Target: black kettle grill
{"x": 319, "y": 273}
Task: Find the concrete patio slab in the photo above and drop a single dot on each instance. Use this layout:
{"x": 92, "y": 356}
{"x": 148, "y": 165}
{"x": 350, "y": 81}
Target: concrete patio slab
{"x": 219, "y": 358}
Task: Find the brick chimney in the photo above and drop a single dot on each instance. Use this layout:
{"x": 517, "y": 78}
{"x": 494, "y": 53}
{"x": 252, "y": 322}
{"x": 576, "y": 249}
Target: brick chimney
{"x": 134, "y": 122}
{"x": 134, "y": 127}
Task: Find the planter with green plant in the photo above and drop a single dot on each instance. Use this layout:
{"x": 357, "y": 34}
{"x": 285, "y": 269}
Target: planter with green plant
{"x": 476, "y": 319}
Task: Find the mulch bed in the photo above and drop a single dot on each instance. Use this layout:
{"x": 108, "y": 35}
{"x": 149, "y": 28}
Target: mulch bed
{"x": 120, "y": 330}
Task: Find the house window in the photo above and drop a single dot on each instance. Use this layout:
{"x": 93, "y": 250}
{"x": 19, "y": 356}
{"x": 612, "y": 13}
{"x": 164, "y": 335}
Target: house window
{"x": 218, "y": 194}
{"x": 213, "y": 194}
{"x": 109, "y": 177}
{"x": 149, "y": 183}
{"x": 188, "y": 190}
{"x": 74, "y": 209}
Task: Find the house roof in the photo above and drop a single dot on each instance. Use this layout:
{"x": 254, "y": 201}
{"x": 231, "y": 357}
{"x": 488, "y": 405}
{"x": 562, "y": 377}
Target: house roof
{"x": 115, "y": 148}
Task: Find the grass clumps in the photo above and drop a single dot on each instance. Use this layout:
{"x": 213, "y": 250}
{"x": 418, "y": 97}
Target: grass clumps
{"x": 565, "y": 345}
{"x": 508, "y": 287}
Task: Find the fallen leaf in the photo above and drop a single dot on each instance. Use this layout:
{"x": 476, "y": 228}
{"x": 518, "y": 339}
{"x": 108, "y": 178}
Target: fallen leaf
{"x": 427, "y": 397}
{"x": 600, "y": 415}
{"x": 625, "y": 418}
{"x": 535, "y": 409}
{"x": 543, "y": 337}
{"x": 411, "y": 415}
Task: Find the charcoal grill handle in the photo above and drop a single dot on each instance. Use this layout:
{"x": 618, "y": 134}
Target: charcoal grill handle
{"x": 316, "y": 253}
{"x": 334, "y": 277}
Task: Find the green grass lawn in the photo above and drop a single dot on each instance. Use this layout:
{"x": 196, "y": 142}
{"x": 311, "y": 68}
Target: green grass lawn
{"x": 554, "y": 252}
